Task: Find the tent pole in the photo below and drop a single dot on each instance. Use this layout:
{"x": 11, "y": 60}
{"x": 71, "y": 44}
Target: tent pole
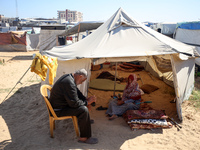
{"x": 16, "y": 84}
{"x": 115, "y": 78}
{"x": 79, "y": 26}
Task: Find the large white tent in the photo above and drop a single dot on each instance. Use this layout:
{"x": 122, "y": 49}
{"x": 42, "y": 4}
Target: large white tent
{"x": 123, "y": 39}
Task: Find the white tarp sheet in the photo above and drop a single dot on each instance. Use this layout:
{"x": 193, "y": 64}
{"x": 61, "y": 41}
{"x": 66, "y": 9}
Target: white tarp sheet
{"x": 183, "y": 80}
{"x": 48, "y": 39}
{"x": 32, "y": 41}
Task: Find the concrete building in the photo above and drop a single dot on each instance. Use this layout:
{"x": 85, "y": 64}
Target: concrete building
{"x": 7, "y": 21}
{"x": 1, "y": 16}
{"x": 70, "y": 16}
{"x": 61, "y": 15}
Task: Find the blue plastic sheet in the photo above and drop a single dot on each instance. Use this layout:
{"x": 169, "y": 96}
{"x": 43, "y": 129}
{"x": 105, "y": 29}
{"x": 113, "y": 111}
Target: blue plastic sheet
{"x": 189, "y": 25}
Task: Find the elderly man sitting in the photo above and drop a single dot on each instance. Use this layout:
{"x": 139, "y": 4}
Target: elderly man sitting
{"x": 67, "y": 99}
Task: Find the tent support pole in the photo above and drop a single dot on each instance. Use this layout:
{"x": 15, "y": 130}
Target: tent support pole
{"x": 79, "y": 26}
{"x": 16, "y": 84}
{"x": 115, "y": 78}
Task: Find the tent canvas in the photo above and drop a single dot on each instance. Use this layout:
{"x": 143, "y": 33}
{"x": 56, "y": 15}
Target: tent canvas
{"x": 123, "y": 39}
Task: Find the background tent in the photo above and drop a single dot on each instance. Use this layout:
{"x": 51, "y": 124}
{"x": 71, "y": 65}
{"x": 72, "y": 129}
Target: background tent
{"x": 189, "y": 33}
{"x": 83, "y": 28}
{"x": 123, "y": 39}
{"x": 18, "y": 40}
{"x": 166, "y": 28}
{"x": 49, "y": 36}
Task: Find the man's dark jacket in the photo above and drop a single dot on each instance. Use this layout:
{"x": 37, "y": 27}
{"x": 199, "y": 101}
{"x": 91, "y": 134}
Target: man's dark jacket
{"x": 65, "y": 94}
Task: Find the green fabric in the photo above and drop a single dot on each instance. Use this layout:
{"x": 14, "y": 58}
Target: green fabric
{"x": 106, "y": 85}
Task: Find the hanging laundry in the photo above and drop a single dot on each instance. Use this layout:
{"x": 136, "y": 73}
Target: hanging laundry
{"x": 40, "y": 65}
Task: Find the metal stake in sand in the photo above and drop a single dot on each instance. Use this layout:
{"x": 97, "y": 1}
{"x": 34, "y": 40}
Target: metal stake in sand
{"x": 16, "y": 84}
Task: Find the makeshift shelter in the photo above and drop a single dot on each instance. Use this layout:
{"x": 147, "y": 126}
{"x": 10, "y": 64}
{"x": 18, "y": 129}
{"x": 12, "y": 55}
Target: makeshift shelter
{"x": 123, "y": 39}
{"x": 83, "y": 27}
{"x": 49, "y": 36}
{"x": 18, "y": 40}
{"x": 166, "y": 28}
{"x": 189, "y": 33}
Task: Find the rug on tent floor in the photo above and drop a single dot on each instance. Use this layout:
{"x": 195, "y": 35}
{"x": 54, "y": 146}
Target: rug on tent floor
{"x": 106, "y": 85}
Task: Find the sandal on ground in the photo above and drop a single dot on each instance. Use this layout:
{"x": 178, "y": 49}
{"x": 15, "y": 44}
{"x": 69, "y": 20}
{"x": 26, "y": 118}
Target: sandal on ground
{"x": 91, "y": 121}
{"x": 89, "y": 141}
{"x": 113, "y": 117}
{"x": 101, "y": 108}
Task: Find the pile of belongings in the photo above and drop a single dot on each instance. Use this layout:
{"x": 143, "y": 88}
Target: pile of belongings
{"x": 128, "y": 67}
{"x": 96, "y": 67}
{"x": 146, "y": 119}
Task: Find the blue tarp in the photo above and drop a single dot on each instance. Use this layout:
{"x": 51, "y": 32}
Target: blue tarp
{"x": 148, "y": 24}
{"x": 189, "y": 25}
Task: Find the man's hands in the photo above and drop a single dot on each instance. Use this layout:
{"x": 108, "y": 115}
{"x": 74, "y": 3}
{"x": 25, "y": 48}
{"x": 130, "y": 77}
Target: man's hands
{"x": 91, "y": 99}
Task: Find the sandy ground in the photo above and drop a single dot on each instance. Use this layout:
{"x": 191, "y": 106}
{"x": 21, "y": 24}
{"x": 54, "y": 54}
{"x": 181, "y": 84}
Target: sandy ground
{"x": 24, "y": 123}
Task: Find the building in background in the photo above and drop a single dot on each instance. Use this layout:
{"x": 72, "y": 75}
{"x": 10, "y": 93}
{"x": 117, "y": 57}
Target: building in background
{"x": 62, "y": 16}
{"x": 1, "y": 16}
{"x": 7, "y": 21}
{"x": 70, "y": 16}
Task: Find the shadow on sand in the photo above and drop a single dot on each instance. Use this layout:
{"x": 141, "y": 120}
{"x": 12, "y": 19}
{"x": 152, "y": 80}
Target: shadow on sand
{"x": 26, "y": 117}
{"x": 25, "y": 57}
